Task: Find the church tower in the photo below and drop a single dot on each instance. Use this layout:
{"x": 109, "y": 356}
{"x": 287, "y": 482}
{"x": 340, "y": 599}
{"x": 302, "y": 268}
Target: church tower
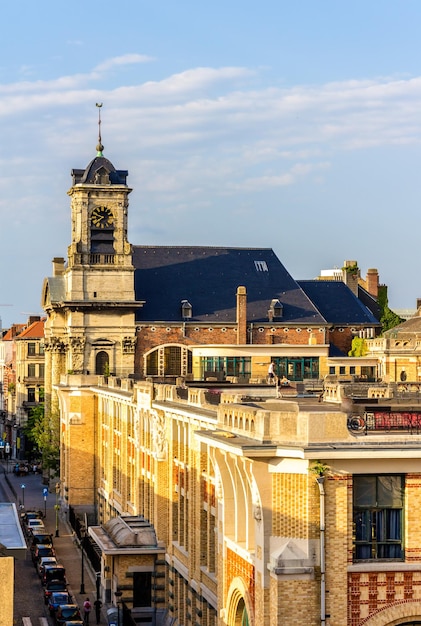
{"x": 90, "y": 300}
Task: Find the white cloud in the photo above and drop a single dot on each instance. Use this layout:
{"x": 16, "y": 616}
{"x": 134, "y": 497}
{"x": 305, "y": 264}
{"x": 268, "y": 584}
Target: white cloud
{"x": 125, "y": 59}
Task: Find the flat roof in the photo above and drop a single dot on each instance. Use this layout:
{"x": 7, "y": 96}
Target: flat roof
{"x": 11, "y": 536}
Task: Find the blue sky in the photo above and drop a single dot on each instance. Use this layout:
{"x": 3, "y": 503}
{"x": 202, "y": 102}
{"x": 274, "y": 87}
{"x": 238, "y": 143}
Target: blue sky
{"x": 295, "y": 126}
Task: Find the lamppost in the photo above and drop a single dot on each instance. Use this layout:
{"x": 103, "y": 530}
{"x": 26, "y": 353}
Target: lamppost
{"x": 23, "y": 494}
{"x": 82, "y": 573}
{"x": 57, "y": 507}
{"x": 118, "y": 595}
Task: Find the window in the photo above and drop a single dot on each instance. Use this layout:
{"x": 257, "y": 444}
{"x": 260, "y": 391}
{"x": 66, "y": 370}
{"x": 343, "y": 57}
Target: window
{"x": 142, "y": 589}
{"x": 102, "y": 363}
{"x": 378, "y": 516}
{"x": 342, "y": 370}
{"x": 332, "y": 370}
{"x": 261, "y": 266}
{"x": 41, "y": 367}
{"x": 31, "y": 395}
{"x": 31, "y": 370}
{"x": 352, "y": 369}
{"x": 31, "y": 349}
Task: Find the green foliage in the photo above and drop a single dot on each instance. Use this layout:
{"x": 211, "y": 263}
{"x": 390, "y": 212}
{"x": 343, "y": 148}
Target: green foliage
{"x": 358, "y": 347}
{"x": 351, "y": 269}
{"x": 43, "y": 433}
{"x": 388, "y": 318}
{"x": 318, "y": 468}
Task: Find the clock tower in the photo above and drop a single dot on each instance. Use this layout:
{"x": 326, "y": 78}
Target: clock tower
{"x": 90, "y": 300}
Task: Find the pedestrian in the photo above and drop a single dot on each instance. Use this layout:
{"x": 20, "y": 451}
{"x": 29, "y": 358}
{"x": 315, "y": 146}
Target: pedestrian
{"x": 98, "y": 605}
{"x": 271, "y": 373}
{"x": 87, "y": 606}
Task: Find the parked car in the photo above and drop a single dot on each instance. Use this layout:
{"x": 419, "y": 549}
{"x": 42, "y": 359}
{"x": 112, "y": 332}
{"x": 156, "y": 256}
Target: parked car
{"x": 43, "y": 562}
{"x": 42, "y": 550}
{"x": 25, "y": 517}
{"x": 35, "y": 524}
{"x": 37, "y": 538}
{"x": 53, "y": 572}
{"x": 54, "y": 585}
{"x": 73, "y": 623}
{"x": 66, "y": 613}
{"x": 56, "y": 599}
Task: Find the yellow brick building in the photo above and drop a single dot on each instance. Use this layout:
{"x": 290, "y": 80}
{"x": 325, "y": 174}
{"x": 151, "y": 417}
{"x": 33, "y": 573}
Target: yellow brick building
{"x": 245, "y": 532}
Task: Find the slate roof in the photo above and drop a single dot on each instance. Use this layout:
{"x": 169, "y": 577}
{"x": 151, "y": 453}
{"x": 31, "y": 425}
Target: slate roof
{"x": 336, "y": 302}
{"x": 208, "y": 277}
{"x": 88, "y": 175}
{"x": 409, "y": 327}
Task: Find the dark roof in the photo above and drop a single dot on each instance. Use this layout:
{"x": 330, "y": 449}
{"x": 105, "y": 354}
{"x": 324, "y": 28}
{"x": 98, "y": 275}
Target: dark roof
{"x": 96, "y": 166}
{"x": 370, "y": 302}
{"x": 337, "y": 303}
{"x": 208, "y": 277}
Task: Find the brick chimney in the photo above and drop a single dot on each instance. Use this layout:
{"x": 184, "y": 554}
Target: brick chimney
{"x": 351, "y": 275}
{"x": 241, "y": 315}
{"x": 372, "y": 282}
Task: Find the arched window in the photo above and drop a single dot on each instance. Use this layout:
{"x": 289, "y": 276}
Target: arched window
{"x": 172, "y": 360}
{"x": 102, "y": 363}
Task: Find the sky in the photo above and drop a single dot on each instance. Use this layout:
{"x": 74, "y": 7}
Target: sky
{"x": 289, "y": 125}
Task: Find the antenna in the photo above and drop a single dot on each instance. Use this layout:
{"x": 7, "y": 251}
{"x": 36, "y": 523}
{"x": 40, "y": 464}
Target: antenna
{"x": 99, "y": 147}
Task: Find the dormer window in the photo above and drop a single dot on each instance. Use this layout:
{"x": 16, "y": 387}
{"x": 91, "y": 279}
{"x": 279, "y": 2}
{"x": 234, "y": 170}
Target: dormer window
{"x": 276, "y": 310}
{"x": 102, "y": 177}
{"x": 186, "y": 310}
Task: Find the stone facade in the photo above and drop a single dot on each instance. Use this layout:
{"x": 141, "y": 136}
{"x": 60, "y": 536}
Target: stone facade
{"x": 235, "y": 506}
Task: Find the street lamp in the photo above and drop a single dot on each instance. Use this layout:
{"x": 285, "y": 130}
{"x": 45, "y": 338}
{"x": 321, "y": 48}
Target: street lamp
{"x": 82, "y": 573}
{"x": 118, "y": 595}
{"x": 57, "y": 507}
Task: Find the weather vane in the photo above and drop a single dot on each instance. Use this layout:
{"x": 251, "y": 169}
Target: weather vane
{"x": 99, "y": 147}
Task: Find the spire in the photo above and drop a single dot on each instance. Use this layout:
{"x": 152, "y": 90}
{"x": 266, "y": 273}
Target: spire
{"x": 99, "y": 147}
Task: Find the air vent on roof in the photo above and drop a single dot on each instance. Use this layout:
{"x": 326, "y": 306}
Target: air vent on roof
{"x": 276, "y": 310}
{"x": 261, "y": 266}
{"x": 186, "y": 310}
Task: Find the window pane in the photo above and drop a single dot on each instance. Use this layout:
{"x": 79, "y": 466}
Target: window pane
{"x": 363, "y": 525}
{"x": 389, "y": 491}
{"x": 365, "y": 490}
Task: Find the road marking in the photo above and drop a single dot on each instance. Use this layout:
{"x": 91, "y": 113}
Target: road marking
{"x": 26, "y": 621}
{"x": 43, "y": 621}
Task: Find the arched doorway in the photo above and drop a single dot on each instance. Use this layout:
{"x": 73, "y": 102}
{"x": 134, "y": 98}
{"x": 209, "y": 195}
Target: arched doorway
{"x": 102, "y": 363}
{"x": 238, "y": 605}
{"x": 241, "y": 616}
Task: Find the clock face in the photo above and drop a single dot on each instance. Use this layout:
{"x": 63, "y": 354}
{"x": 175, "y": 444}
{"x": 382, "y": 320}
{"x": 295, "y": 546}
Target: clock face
{"x": 101, "y": 217}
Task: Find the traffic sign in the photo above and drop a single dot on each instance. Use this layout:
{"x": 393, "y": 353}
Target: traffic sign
{"x": 45, "y": 492}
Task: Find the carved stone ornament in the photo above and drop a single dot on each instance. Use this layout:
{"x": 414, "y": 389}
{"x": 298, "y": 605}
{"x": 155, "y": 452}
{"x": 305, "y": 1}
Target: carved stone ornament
{"x": 159, "y": 441}
{"x": 55, "y": 344}
{"x": 77, "y": 344}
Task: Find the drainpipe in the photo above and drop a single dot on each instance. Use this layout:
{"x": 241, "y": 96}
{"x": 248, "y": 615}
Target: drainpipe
{"x": 320, "y": 482}
{"x": 251, "y": 332}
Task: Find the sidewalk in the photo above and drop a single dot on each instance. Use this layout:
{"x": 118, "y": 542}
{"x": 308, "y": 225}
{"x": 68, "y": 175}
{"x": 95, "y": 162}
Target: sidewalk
{"x": 29, "y": 491}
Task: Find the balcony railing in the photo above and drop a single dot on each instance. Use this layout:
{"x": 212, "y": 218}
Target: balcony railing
{"x": 386, "y": 421}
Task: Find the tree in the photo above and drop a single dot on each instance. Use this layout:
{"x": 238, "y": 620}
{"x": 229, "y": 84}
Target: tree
{"x": 358, "y": 347}
{"x": 388, "y": 318}
{"x": 43, "y": 433}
